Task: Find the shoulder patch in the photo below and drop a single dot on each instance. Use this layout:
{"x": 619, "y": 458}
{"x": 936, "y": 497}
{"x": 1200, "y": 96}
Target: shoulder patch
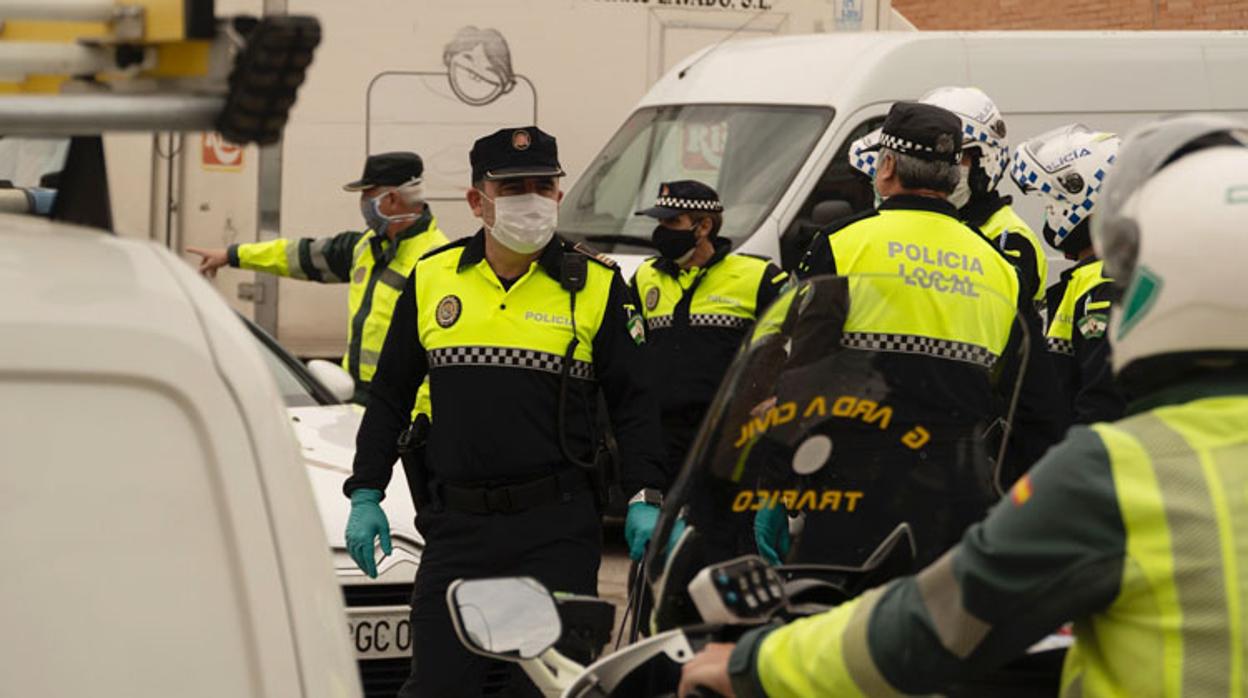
{"x": 595, "y": 255}
{"x": 760, "y": 257}
{"x": 1093, "y": 325}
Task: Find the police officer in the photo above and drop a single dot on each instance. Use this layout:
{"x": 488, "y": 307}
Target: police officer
{"x": 698, "y": 300}
{"x": 1133, "y": 529}
{"x": 1066, "y": 168}
{"x": 985, "y": 159}
{"x": 376, "y": 262}
{"x": 950, "y": 318}
{"x": 517, "y": 330}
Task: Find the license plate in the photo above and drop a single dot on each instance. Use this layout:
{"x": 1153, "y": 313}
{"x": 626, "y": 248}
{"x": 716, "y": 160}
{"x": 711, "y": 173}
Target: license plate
{"x": 380, "y": 633}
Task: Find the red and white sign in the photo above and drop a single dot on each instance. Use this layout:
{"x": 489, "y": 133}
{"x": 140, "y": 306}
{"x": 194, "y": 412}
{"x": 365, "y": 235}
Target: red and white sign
{"x": 219, "y": 154}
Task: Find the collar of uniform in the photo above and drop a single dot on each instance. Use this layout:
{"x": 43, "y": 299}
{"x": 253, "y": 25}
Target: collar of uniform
{"x": 417, "y": 227}
{"x": 1235, "y": 383}
{"x": 550, "y": 258}
{"x": 980, "y": 208}
{"x": 1070, "y": 271}
{"x": 669, "y": 266}
{"x": 911, "y": 202}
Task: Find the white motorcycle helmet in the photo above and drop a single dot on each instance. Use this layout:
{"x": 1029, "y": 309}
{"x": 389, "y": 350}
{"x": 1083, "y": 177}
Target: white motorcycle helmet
{"x": 983, "y": 131}
{"x": 1067, "y": 166}
{"x": 1173, "y": 233}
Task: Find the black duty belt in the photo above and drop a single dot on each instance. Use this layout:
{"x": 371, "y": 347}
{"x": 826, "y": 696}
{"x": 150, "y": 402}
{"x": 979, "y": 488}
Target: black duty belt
{"x": 512, "y": 499}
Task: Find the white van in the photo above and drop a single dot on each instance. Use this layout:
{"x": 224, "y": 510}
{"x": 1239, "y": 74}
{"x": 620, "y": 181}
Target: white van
{"x": 159, "y": 533}
{"x": 768, "y": 122}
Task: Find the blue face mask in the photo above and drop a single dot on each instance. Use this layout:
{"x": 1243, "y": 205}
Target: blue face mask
{"x": 373, "y": 217}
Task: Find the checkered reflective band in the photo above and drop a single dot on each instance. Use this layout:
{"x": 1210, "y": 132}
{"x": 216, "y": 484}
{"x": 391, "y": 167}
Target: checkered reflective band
{"x": 732, "y": 322}
{"x": 973, "y": 134}
{"x": 1060, "y": 346}
{"x": 912, "y": 344}
{"x": 902, "y": 145}
{"x": 689, "y": 204}
{"x": 509, "y": 358}
{"x": 659, "y": 322}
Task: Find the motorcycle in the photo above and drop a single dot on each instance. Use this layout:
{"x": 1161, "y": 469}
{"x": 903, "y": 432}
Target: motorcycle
{"x": 857, "y": 466}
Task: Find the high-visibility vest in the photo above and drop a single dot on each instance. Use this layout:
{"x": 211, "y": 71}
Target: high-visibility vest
{"x": 1065, "y": 315}
{"x": 1179, "y": 626}
{"x": 377, "y": 270}
{"x": 924, "y": 283}
{"x": 1006, "y": 221}
{"x": 726, "y": 297}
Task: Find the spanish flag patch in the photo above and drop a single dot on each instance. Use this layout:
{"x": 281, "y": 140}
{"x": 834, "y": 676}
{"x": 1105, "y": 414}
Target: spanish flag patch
{"x": 1021, "y": 491}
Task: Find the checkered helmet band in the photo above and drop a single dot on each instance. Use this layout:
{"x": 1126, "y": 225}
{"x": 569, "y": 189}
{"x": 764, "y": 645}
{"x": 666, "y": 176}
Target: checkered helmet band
{"x": 860, "y": 158}
{"x": 1066, "y": 167}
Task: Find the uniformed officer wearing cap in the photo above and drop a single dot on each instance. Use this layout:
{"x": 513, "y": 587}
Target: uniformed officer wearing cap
{"x": 948, "y": 338}
{"x": 375, "y": 262}
{"x": 698, "y": 300}
{"x": 517, "y": 331}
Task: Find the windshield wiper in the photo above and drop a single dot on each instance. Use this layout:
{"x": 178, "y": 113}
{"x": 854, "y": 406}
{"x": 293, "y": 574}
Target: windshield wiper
{"x": 633, "y": 240}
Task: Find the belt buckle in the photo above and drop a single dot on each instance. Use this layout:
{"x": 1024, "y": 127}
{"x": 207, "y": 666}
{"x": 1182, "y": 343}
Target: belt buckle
{"x": 498, "y": 500}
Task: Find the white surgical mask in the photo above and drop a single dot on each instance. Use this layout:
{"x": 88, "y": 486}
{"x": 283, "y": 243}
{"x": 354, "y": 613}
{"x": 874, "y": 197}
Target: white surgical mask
{"x": 524, "y": 223}
{"x": 962, "y": 193}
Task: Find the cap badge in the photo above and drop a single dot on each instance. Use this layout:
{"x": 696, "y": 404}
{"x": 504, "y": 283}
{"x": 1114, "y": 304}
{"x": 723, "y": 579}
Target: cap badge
{"x": 448, "y": 311}
{"x": 520, "y": 140}
{"x": 664, "y": 191}
{"x": 944, "y": 143}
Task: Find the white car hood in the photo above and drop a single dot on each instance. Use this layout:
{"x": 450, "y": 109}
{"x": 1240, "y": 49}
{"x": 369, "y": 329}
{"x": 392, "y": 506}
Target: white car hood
{"x": 326, "y": 436}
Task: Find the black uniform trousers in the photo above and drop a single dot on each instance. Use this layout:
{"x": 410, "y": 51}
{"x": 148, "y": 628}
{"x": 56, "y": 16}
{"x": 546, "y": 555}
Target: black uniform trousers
{"x": 558, "y": 544}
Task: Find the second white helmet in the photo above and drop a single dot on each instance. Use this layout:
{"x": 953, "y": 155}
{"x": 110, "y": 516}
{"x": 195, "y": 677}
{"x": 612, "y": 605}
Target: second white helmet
{"x": 983, "y": 130}
{"x": 1067, "y": 167}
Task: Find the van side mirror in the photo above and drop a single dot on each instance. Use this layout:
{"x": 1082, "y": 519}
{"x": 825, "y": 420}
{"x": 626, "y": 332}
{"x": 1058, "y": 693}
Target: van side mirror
{"x": 509, "y": 618}
{"x": 331, "y": 375}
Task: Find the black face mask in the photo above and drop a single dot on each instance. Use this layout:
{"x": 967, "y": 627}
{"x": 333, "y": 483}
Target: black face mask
{"x": 674, "y": 244}
{"x": 1076, "y": 240}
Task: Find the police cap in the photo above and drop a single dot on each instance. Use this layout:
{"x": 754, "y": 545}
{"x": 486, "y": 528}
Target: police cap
{"x": 515, "y": 152}
{"x": 924, "y": 131}
{"x": 388, "y": 170}
{"x": 683, "y": 196}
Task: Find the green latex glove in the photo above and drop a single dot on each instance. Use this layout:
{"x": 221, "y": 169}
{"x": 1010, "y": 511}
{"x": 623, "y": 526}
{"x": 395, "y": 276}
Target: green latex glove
{"x": 771, "y": 534}
{"x": 638, "y": 527}
{"x": 366, "y": 523}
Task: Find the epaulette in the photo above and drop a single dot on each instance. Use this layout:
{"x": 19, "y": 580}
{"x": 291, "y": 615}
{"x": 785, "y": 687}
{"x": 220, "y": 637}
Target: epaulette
{"x": 760, "y": 257}
{"x": 460, "y": 242}
{"x": 595, "y": 255}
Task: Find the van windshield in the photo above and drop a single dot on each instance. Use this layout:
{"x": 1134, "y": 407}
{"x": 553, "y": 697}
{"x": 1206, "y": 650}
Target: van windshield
{"x": 748, "y": 153}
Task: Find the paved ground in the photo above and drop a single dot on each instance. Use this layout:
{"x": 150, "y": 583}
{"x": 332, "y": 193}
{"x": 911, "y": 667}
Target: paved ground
{"x": 613, "y": 574}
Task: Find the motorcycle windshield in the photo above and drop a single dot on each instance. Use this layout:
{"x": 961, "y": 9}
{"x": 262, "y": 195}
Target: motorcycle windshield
{"x": 837, "y": 412}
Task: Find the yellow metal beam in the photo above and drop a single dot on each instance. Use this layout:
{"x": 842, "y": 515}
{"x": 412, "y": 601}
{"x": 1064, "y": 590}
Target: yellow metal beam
{"x": 163, "y": 20}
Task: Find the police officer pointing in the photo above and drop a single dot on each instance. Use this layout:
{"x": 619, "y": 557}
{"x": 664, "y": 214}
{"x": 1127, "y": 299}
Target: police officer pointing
{"x": 375, "y": 262}
{"x": 698, "y": 300}
{"x": 517, "y": 330}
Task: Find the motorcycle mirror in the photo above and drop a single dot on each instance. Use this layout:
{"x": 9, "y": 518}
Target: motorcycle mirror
{"x": 508, "y": 618}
